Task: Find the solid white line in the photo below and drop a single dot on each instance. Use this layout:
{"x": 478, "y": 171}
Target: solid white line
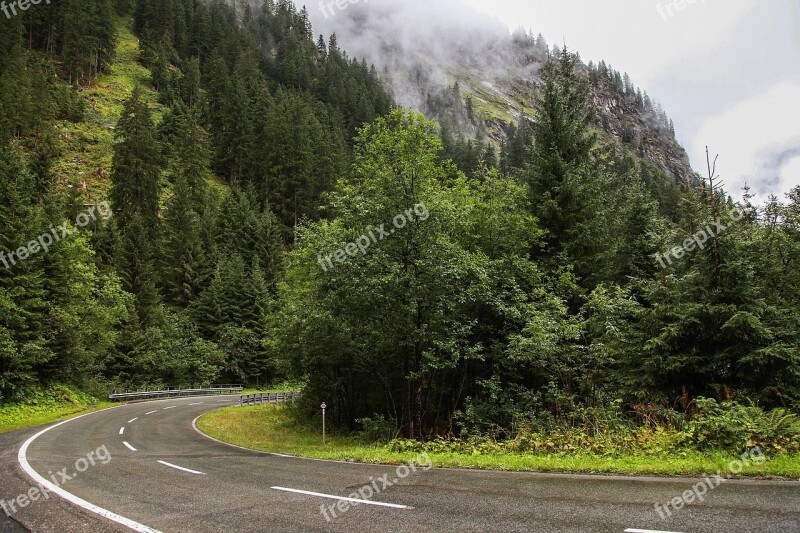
{"x": 181, "y": 468}
{"x": 173, "y": 407}
{"x": 151, "y": 412}
{"x": 122, "y": 430}
{"x": 131, "y": 448}
{"x": 51, "y": 487}
{"x": 132, "y": 420}
{"x": 356, "y": 500}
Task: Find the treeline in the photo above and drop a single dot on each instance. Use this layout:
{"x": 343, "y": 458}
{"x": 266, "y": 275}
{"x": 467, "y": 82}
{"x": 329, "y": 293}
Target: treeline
{"x": 255, "y": 127}
{"x": 530, "y": 292}
{"x": 533, "y": 295}
{"x": 462, "y": 129}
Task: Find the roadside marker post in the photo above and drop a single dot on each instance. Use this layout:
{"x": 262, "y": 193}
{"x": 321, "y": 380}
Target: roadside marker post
{"x": 323, "y": 421}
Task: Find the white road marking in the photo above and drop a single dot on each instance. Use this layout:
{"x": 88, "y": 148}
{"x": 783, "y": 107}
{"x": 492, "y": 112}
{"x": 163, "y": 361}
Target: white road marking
{"x": 151, "y": 412}
{"x": 55, "y": 489}
{"x": 173, "y": 407}
{"x": 181, "y": 468}
{"x": 122, "y": 430}
{"x": 198, "y": 403}
{"x": 331, "y": 496}
{"x": 131, "y": 448}
{"x": 132, "y": 420}
{"x": 646, "y": 531}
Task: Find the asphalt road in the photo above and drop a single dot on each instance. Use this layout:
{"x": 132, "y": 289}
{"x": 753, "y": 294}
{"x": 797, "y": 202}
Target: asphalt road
{"x": 159, "y": 473}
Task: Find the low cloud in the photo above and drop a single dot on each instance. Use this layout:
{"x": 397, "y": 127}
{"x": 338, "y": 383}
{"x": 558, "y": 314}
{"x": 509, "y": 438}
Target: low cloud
{"x": 758, "y": 141}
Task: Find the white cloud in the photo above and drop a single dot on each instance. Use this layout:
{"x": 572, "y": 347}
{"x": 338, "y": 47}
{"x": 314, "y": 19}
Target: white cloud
{"x": 726, "y": 71}
{"x": 758, "y": 140}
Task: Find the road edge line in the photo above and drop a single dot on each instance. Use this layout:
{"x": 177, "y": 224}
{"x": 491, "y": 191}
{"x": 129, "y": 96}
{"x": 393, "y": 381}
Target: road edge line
{"x": 22, "y": 459}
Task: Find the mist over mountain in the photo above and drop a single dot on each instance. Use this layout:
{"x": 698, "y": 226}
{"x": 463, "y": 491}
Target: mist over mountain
{"x": 435, "y": 41}
{"x": 423, "y": 49}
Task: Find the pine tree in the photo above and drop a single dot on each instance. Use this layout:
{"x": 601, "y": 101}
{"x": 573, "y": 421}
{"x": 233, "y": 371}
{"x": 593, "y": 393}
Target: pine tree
{"x": 24, "y": 348}
{"x": 185, "y": 260}
{"x": 566, "y": 190}
{"x": 135, "y": 180}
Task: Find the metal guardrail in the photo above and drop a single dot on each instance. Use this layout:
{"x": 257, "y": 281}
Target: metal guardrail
{"x": 268, "y": 397}
{"x": 163, "y": 393}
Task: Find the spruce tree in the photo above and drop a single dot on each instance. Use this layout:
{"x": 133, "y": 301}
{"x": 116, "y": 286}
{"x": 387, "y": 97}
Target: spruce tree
{"x": 135, "y": 180}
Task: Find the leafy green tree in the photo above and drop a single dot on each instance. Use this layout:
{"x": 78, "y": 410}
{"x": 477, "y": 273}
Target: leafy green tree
{"x": 387, "y": 330}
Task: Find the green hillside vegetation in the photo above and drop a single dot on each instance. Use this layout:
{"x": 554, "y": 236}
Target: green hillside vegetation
{"x": 548, "y": 292}
{"x": 279, "y": 430}
{"x": 43, "y": 406}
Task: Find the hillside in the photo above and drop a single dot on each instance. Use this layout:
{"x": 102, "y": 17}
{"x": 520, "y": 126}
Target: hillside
{"x": 273, "y": 214}
{"x": 497, "y": 76}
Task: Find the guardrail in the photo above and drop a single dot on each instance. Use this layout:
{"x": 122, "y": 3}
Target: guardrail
{"x": 268, "y": 397}
{"x": 165, "y": 393}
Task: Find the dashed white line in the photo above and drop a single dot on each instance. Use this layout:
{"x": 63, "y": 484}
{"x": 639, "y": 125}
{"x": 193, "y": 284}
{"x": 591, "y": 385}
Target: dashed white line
{"x": 132, "y": 420}
{"x": 131, "y": 448}
{"x": 181, "y": 468}
{"x": 171, "y": 407}
{"x": 55, "y": 489}
{"x": 151, "y": 412}
{"x": 331, "y": 496}
{"x": 197, "y": 403}
{"x": 122, "y": 430}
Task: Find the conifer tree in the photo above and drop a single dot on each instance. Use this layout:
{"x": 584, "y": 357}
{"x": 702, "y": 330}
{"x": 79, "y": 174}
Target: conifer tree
{"x": 135, "y": 180}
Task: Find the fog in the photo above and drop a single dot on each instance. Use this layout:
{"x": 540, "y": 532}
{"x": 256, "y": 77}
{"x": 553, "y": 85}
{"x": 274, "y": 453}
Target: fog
{"x": 418, "y": 45}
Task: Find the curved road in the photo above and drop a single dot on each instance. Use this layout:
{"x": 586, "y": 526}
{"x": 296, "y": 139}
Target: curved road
{"x": 160, "y": 474}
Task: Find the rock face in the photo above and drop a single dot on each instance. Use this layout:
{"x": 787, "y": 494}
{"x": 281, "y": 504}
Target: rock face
{"x": 646, "y": 132}
{"x": 423, "y": 54}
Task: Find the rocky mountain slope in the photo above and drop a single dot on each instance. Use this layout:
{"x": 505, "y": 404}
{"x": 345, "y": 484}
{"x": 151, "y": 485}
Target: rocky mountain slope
{"x": 472, "y": 75}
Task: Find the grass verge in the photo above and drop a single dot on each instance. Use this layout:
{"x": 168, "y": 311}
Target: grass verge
{"x": 45, "y": 406}
{"x": 271, "y": 429}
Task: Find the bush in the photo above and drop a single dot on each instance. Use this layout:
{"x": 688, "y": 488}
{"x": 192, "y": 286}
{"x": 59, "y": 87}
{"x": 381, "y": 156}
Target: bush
{"x": 644, "y": 430}
{"x": 735, "y": 427}
{"x": 378, "y": 429}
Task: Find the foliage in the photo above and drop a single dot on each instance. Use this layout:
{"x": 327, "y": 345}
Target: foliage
{"x": 39, "y": 405}
{"x": 518, "y": 306}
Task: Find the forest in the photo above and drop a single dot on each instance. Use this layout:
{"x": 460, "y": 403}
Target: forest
{"x": 530, "y": 295}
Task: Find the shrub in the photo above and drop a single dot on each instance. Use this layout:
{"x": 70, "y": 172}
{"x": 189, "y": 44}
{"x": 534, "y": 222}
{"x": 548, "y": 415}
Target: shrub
{"x": 734, "y": 427}
{"x": 378, "y": 429}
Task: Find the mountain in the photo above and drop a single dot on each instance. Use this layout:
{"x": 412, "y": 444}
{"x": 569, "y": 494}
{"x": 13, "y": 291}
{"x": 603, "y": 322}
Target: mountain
{"x": 477, "y": 79}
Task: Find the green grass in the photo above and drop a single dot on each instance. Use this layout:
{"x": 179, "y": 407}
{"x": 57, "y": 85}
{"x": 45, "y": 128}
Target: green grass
{"x": 47, "y": 406}
{"x": 271, "y": 429}
{"x": 87, "y": 146}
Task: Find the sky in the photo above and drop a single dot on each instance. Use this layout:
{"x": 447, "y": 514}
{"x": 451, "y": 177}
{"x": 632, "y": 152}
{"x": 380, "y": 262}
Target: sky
{"x": 726, "y": 71}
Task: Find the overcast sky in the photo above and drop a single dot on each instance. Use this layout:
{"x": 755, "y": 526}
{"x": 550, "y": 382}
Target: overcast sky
{"x": 726, "y": 71}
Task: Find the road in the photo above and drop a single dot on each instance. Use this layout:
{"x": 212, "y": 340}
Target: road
{"x": 146, "y": 465}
